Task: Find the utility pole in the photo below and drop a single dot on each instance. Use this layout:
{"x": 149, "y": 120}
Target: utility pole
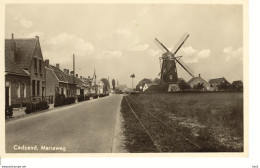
{"x": 73, "y": 69}
{"x": 132, "y": 76}
{"x": 95, "y": 81}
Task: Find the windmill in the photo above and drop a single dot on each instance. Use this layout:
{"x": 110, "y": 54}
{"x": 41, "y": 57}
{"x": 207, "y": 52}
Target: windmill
{"x": 168, "y": 61}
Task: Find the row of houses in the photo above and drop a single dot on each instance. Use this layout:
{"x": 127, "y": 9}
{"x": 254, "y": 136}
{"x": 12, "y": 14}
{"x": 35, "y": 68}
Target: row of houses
{"x": 30, "y": 78}
{"x": 198, "y": 83}
{"x": 216, "y": 84}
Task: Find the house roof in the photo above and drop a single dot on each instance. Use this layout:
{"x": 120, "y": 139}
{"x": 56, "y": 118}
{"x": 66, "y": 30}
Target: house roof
{"x": 12, "y": 68}
{"x": 196, "y": 78}
{"x": 217, "y": 81}
{"x": 59, "y": 73}
{"x": 24, "y": 48}
{"x": 238, "y": 82}
{"x": 80, "y": 82}
{"x": 69, "y": 78}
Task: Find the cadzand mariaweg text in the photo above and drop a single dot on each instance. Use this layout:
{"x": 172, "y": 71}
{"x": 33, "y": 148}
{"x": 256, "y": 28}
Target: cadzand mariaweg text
{"x": 42, "y": 148}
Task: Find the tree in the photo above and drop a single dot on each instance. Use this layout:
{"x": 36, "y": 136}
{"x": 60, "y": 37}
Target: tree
{"x": 183, "y": 84}
{"x": 142, "y": 83}
{"x": 224, "y": 86}
{"x": 198, "y": 86}
{"x": 157, "y": 81}
{"x": 106, "y": 83}
{"x": 114, "y": 84}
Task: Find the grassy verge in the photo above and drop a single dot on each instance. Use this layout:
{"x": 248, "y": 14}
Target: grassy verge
{"x": 136, "y": 140}
{"x": 200, "y": 122}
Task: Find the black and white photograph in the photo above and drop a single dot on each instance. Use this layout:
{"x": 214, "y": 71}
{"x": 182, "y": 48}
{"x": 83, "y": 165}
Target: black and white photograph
{"x": 125, "y": 78}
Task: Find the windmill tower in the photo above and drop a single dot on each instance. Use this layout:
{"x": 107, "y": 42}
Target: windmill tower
{"x": 168, "y": 61}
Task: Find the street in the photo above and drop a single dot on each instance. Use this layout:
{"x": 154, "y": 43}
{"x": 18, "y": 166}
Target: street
{"x": 86, "y": 127}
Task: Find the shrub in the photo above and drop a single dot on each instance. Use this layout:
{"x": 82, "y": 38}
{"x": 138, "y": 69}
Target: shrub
{"x": 95, "y": 96}
{"x": 33, "y": 107}
{"x": 43, "y": 105}
{"x": 59, "y": 100}
{"x": 81, "y": 98}
{"x": 87, "y": 97}
{"x": 8, "y": 111}
{"x": 30, "y": 108}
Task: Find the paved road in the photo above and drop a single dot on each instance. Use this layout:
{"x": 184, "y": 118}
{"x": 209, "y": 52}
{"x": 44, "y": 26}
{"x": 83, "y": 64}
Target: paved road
{"x": 86, "y": 127}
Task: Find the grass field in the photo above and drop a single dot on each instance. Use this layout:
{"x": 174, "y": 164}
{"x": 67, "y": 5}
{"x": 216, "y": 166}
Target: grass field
{"x": 184, "y": 122}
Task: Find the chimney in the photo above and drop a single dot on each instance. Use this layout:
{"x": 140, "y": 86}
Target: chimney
{"x": 76, "y": 75}
{"x": 65, "y": 71}
{"x": 68, "y": 71}
{"x": 80, "y": 77}
{"x": 47, "y": 62}
{"x": 58, "y": 66}
{"x": 199, "y": 75}
{"x": 13, "y": 55}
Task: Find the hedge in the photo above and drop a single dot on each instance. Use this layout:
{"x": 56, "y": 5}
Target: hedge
{"x": 61, "y": 100}
{"x": 83, "y": 98}
{"x": 33, "y": 107}
{"x": 8, "y": 111}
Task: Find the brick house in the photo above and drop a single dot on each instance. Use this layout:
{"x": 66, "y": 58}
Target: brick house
{"x": 215, "y": 84}
{"x": 26, "y": 53}
{"x": 196, "y": 80}
{"x": 58, "y": 81}
{"x": 17, "y": 84}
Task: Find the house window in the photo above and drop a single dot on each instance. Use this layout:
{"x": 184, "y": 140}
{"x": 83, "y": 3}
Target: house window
{"x": 18, "y": 90}
{"x": 24, "y": 89}
{"x": 35, "y": 64}
{"x": 40, "y": 66}
{"x": 38, "y": 88}
{"x": 33, "y": 88}
{"x": 62, "y": 91}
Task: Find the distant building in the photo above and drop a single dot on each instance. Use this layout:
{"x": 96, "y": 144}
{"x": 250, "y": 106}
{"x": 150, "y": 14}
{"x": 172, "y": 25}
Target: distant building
{"x": 26, "y": 53}
{"x": 82, "y": 87}
{"x": 122, "y": 87}
{"x": 146, "y": 86}
{"x": 219, "y": 84}
{"x": 198, "y": 80}
{"x": 58, "y": 82}
{"x": 141, "y": 84}
{"x": 237, "y": 85}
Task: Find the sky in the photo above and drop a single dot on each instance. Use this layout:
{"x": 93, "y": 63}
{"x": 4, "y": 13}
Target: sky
{"x": 118, "y": 39}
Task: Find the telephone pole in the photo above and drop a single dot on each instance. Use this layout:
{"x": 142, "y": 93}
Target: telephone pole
{"x": 73, "y": 69}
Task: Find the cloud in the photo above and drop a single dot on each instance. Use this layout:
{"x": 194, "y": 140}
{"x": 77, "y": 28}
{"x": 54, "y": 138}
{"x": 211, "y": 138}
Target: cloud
{"x": 192, "y": 55}
{"x": 71, "y": 43}
{"x": 122, "y": 39}
{"x": 26, "y": 23}
{"x": 153, "y": 52}
{"x": 232, "y": 53}
{"x": 59, "y": 49}
{"x": 23, "y": 21}
{"x": 140, "y": 47}
{"x": 204, "y": 53}
{"x": 110, "y": 54}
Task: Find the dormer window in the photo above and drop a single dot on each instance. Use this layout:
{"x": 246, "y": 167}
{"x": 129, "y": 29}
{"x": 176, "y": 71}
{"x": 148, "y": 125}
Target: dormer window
{"x": 35, "y": 65}
{"x": 40, "y": 66}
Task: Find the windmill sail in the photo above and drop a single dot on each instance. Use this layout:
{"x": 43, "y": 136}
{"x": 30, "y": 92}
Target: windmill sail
{"x": 184, "y": 66}
{"x": 160, "y": 45}
{"x": 180, "y": 43}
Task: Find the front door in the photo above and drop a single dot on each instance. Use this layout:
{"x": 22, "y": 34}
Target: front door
{"x": 7, "y": 96}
